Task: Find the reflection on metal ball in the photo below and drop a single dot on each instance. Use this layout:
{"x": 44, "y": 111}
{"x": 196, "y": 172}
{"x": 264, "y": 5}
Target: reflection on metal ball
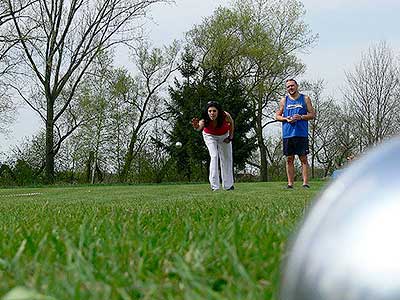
{"x": 348, "y": 247}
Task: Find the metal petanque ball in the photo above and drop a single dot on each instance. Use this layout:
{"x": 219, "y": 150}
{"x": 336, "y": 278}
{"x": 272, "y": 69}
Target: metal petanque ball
{"x": 348, "y": 247}
{"x": 178, "y": 144}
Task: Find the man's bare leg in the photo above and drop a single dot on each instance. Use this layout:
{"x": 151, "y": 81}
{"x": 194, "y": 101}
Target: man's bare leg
{"x": 290, "y": 169}
{"x": 304, "y": 168}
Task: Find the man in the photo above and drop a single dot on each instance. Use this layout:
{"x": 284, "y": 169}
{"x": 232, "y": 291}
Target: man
{"x": 295, "y": 110}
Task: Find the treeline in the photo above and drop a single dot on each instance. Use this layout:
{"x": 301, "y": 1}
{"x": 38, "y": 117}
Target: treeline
{"x": 108, "y": 124}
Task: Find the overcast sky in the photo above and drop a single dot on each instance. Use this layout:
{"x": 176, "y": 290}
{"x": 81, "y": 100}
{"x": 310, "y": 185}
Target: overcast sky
{"x": 346, "y": 29}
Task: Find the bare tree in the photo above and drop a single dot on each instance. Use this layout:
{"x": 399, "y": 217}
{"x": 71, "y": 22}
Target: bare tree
{"x": 7, "y": 41}
{"x": 122, "y": 109}
{"x": 155, "y": 67}
{"x": 58, "y": 41}
{"x": 7, "y": 110}
{"x": 8, "y": 63}
{"x": 332, "y": 134}
{"x": 315, "y": 90}
{"x": 373, "y": 92}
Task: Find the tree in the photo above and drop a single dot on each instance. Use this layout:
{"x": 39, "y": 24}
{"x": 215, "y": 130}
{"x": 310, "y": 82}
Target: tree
{"x": 116, "y": 107}
{"x": 331, "y": 133}
{"x": 155, "y": 67}
{"x": 326, "y": 135}
{"x": 7, "y": 110}
{"x": 8, "y": 63}
{"x": 123, "y": 87}
{"x": 256, "y": 43}
{"x": 189, "y": 99}
{"x": 58, "y": 41}
{"x": 31, "y": 152}
{"x": 94, "y": 106}
{"x": 372, "y": 94}
{"x": 280, "y": 34}
{"x": 97, "y": 148}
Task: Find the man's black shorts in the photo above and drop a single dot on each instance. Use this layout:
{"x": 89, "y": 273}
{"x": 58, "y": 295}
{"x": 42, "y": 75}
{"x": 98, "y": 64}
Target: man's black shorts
{"x": 295, "y": 146}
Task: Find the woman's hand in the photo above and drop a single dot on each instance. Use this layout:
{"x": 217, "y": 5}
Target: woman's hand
{"x": 228, "y": 139}
{"x": 198, "y": 124}
{"x": 195, "y": 123}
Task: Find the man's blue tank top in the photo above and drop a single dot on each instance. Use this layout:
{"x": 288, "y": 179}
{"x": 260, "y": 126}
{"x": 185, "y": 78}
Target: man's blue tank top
{"x": 300, "y": 127}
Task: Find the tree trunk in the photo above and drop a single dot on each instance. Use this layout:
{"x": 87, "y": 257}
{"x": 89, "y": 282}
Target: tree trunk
{"x": 129, "y": 158}
{"x": 261, "y": 145}
{"x": 312, "y": 154}
{"x": 94, "y": 168}
{"x": 49, "y": 144}
{"x": 96, "y": 152}
{"x": 89, "y": 166}
{"x": 312, "y": 166}
{"x": 263, "y": 160}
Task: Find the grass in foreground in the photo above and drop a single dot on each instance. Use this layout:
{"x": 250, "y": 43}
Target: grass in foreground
{"x": 148, "y": 241}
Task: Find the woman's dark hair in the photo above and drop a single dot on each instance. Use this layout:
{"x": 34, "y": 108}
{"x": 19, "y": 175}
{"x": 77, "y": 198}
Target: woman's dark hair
{"x": 221, "y": 113}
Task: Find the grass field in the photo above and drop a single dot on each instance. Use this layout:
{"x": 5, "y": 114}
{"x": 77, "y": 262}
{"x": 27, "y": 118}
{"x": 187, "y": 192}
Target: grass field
{"x": 147, "y": 241}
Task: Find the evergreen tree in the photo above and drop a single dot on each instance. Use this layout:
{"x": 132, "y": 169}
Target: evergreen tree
{"x": 189, "y": 98}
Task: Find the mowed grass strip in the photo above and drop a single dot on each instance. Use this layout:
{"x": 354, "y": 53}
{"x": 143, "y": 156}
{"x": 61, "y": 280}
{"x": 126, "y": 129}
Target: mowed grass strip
{"x": 148, "y": 241}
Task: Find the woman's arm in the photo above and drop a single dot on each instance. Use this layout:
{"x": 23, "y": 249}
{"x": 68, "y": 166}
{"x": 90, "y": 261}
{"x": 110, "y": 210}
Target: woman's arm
{"x": 232, "y": 127}
{"x": 198, "y": 124}
{"x": 229, "y": 119}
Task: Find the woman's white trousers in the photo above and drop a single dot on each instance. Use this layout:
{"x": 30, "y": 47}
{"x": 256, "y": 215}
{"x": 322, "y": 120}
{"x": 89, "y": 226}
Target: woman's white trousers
{"x": 220, "y": 152}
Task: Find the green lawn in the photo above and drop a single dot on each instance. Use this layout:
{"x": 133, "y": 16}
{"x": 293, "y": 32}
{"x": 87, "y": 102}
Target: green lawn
{"x": 148, "y": 241}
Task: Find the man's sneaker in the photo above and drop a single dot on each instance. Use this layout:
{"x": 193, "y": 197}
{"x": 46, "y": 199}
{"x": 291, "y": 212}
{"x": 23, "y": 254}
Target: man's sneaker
{"x": 231, "y": 188}
{"x": 306, "y": 186}
{"x": 289, "y": 186}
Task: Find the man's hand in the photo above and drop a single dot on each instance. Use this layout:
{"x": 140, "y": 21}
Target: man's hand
{"x": 296, "y": 117}
{"x": 290, "y": 119}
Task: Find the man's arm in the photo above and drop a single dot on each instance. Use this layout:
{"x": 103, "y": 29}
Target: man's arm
{"x": 279, "y": 113}
{"x": 310, "y": 110}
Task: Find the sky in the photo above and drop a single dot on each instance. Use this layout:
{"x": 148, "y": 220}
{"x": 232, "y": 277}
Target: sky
{"x": 346, "y": 29}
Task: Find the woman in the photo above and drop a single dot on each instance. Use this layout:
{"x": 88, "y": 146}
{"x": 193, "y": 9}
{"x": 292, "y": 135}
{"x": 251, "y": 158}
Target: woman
{"x": 218, "y": 129}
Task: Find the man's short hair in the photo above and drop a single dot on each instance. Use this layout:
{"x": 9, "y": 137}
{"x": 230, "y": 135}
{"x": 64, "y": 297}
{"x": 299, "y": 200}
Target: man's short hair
{"x": 291, "y": 79}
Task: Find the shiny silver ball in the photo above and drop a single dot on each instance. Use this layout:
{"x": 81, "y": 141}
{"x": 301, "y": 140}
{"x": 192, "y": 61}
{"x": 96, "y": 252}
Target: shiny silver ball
{"x": 178, "y": 144}
{"x": 348, "y": 247}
